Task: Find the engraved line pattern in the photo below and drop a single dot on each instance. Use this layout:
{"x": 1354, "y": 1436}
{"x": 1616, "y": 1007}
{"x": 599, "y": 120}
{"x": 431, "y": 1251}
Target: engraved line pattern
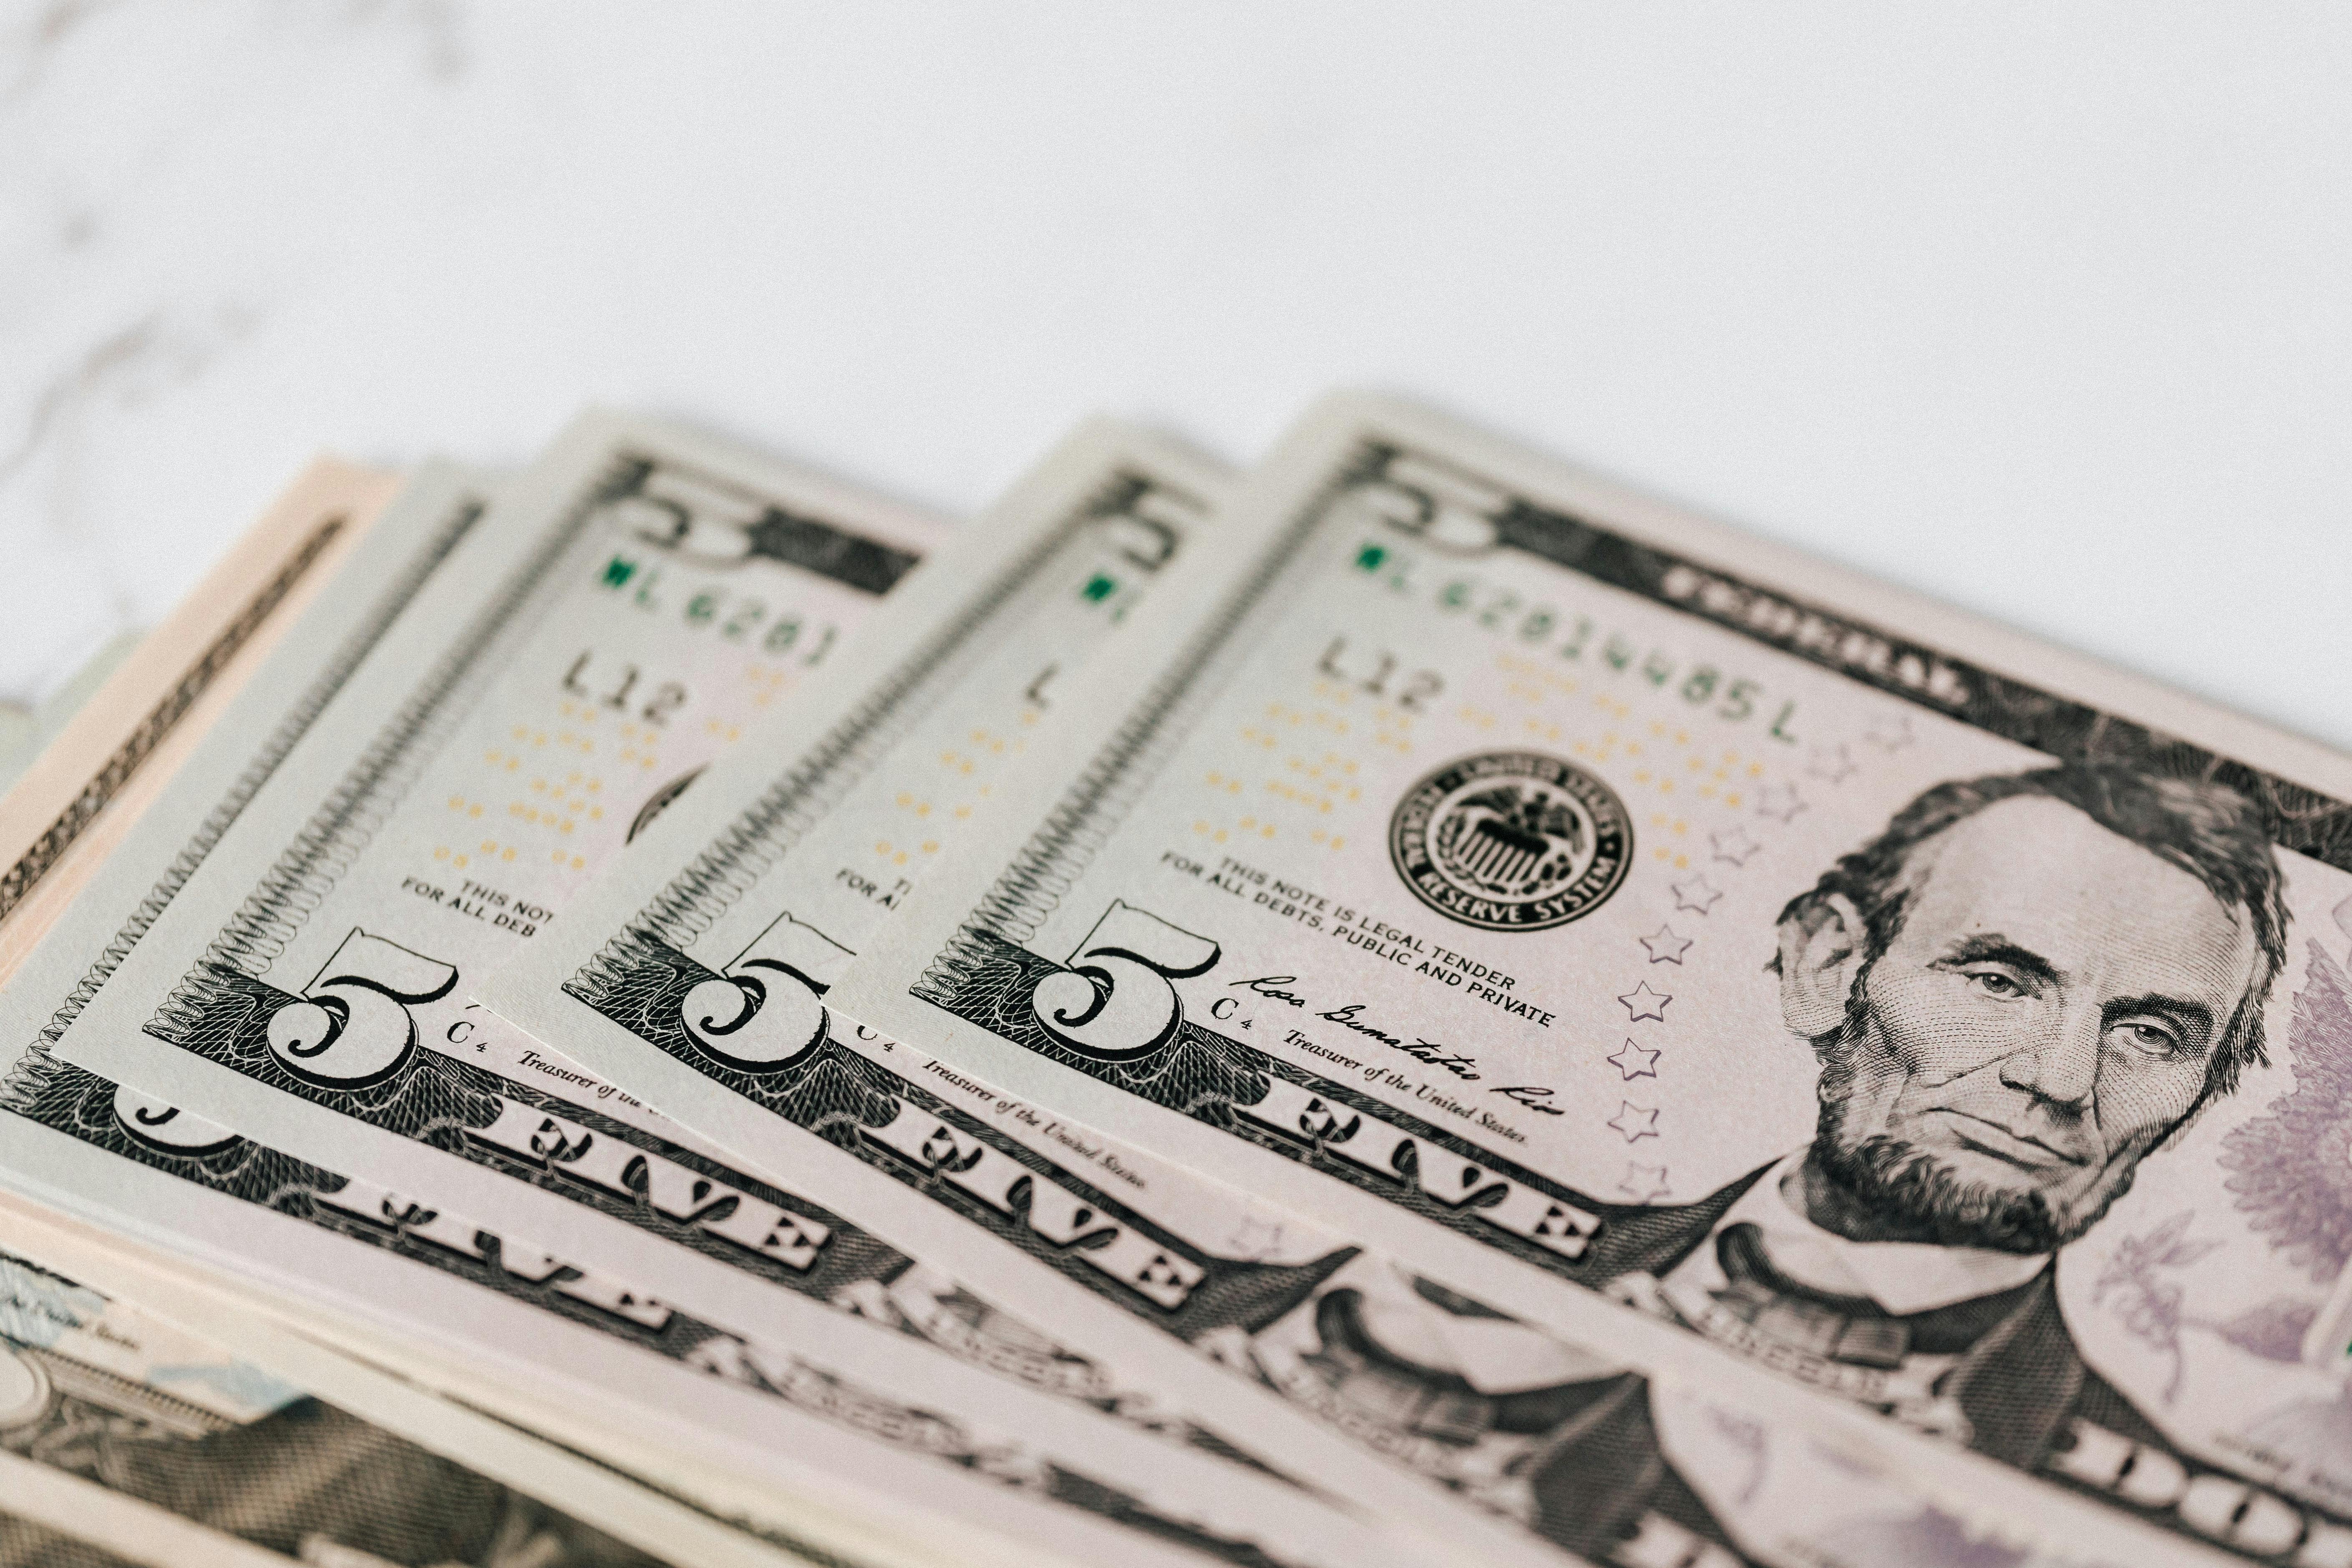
{"x": 1059, "y": 851}
{"x": 266, "y": 921}
{"x": 80, "y": 1104}
{"x": 984, "y": 973}
{"x": 2302, "y": 819}
{"x": 771, "y": 1534}
{"x": 1095, "y": 805}
{"x": 29, "y": 1074}
{"x": 107, "y": 782}
{"x": 766, "y": 830}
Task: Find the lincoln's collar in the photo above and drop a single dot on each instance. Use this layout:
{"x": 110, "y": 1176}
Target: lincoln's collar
{"x": 1904, "y": 1277}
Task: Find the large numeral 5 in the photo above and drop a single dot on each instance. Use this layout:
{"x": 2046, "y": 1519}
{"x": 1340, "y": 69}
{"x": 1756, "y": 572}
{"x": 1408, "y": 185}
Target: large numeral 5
{"x": 354, "y": 1029}
{"x": 672, "y": 509}
{"x": 1441, "y": 505}
{"x": 1142, "y": 528}
{"x": 767, "y": 1011}
{"x": 1115, "y": 1001}
{"x": 166, "y": 1129}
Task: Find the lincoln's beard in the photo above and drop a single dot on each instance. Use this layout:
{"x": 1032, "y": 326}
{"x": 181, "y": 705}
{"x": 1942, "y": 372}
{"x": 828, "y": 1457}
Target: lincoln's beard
{"x": 1909, "y": 1187}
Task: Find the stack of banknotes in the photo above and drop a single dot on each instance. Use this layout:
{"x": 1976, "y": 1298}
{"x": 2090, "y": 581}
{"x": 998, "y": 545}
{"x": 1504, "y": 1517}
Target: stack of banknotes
{"x": 1406, "y": 1005}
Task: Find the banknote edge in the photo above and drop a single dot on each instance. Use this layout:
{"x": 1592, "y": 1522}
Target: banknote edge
{"x": 159, "y": 721}
{"x": 763, "y": 832}
{"x": 22, "y": 1080}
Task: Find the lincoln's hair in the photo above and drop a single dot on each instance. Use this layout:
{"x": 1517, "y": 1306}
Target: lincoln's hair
{"x": 2209, "y": 830}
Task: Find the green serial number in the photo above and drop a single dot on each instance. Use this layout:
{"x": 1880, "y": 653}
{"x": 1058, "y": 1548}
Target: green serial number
{"x": 1579, "y": 638}
{"x": 738, "y": 617}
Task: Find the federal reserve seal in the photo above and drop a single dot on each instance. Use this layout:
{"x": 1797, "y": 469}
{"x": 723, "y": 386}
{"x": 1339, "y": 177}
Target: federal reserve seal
{"x": 1511, "y": 841}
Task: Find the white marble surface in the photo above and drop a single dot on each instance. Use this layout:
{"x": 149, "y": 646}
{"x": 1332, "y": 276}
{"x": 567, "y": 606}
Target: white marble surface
{"x": 2046, "y": 309}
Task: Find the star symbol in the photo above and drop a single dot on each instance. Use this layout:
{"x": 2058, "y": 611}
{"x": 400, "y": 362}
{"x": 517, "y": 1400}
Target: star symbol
{"x": 1644, "y": 1002}
{"x": 1831, "y": 763}
{"x": 1634, "y": 1062}
{"x": 1780, "y": 801}
{"x": 1256, "y": 1240}
{"x": 1735, "y": 846}
{"x": 1666, "y": 947}
{"x": 1891, "y": 731}
{"x": 1644, "y": 1183}
{"x": 1697, "y": 893}
{"x": 1634, "y": 1121}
